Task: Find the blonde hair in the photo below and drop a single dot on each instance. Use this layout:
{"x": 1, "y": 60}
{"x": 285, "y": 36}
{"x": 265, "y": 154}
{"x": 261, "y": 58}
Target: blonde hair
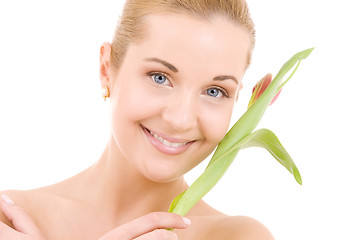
{"x": 132, "y": 28}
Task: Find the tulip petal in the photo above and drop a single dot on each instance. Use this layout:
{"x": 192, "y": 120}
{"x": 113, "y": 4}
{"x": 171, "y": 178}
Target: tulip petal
{"x": 275, "y": 98}
{"x": 259, "y": 88}
{"x": 263, "y": 84}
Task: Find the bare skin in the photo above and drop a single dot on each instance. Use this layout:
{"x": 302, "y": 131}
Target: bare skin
{"x": 63, "y": 218}
{"x": 126, "y": 194}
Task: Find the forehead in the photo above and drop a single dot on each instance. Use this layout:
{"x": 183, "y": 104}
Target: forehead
{"x": 219, "y": 44}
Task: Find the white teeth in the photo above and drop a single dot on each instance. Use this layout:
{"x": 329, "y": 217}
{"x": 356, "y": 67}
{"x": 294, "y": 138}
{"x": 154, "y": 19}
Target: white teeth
{"x": 165, "y": 142}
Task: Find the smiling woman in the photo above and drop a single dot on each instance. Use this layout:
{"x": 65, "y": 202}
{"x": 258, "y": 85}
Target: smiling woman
{"x": 172, "y": 74}
{"x": 180, "y": 108}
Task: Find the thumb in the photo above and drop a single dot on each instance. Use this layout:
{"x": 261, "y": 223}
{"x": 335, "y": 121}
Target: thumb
{"x": 21, "y": 221}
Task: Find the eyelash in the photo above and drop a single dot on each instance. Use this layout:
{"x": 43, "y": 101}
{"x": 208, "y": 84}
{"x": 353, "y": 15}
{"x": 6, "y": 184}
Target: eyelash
{"x": 152, "y": 74}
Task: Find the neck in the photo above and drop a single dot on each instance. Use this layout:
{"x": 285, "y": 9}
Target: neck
{"x": 126, "y": 192}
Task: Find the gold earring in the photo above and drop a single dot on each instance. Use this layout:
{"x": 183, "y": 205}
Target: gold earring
{"x": 106, "y": 93}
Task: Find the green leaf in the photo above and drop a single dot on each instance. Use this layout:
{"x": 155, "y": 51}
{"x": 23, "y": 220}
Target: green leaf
{"x": 202, "y": 185}
{"x": 292, "y": 74}
{"x": 266, "y": 139}
{"x": 175, "y": 201}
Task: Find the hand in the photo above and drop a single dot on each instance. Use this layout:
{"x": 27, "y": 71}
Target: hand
{"x": 149, "y": 227}
{"x": 24, "y": 226}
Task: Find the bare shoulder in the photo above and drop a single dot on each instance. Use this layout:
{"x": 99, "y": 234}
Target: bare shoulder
{"x": 32, "y": 201}
{"x": 240, "y": 227}
{"x": 208, "y": 223}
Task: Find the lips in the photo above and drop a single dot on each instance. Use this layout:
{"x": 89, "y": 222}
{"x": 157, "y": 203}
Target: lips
{"x": 166, "y": 144}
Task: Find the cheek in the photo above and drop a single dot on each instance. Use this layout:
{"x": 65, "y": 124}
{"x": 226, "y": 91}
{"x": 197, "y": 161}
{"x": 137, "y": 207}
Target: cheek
{"x": 130, "y": 100}
{"x": 216, "y": 123}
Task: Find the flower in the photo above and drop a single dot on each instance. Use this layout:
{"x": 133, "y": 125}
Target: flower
{"x": 259, "y": 89}
{"x": 241, "y": 136}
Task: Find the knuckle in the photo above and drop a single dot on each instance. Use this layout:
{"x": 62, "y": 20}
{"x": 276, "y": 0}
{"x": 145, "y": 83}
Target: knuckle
{"x": 154, "y": 217}
{"x": 114, "y": 234}
{"x": 165, "y": 234}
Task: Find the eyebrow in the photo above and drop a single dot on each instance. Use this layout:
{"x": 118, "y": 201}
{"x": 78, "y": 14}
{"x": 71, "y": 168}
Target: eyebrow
{"x": 163, "y": 62}
{"x": 174, "y": 69}
{"x": 226, "y": 77}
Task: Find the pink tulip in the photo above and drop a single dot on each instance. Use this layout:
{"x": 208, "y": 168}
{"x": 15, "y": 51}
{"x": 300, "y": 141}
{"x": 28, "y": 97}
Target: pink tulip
{"x": 259, "y": 89}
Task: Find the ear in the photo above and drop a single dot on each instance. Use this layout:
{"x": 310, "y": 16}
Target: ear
{"x": 105, "y": 71}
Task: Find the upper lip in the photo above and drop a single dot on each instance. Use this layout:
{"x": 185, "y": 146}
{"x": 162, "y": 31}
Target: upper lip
{"x": 167, "y": 138}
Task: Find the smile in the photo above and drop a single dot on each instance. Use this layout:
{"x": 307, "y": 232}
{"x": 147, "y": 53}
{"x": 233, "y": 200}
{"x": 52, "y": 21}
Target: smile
{"x": 166, "y": 144}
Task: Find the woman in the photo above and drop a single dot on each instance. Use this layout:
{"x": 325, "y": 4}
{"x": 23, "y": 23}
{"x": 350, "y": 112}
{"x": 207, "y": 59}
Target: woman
{"x": 172, "y": 74}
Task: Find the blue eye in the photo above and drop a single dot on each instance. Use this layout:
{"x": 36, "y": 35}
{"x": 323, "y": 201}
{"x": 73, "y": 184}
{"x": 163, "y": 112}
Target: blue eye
{"x": 159, "y": 78}
{"x": 215, "y": 92}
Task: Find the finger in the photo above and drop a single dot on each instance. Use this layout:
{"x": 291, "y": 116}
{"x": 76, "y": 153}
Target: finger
{"x": 159, "y": 234}
{"x": 148, "y": 223}
{"x": 21, "y": 221}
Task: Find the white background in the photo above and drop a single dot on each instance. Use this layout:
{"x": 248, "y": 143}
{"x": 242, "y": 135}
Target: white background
{"x": 54, "y": 123}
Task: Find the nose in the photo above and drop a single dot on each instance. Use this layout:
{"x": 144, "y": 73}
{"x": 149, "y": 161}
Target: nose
{"x": 181, "y": 113}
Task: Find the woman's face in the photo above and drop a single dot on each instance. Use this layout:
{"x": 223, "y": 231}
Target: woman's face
{"x": 173, "y": 95}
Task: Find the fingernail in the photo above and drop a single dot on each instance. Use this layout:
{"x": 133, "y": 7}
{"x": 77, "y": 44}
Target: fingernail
{"x": 7, "y": 199}
{"x": 187, "y": 221}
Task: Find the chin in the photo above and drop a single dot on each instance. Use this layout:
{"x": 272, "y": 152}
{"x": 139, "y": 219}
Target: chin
{"x": 162, "y": 175}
